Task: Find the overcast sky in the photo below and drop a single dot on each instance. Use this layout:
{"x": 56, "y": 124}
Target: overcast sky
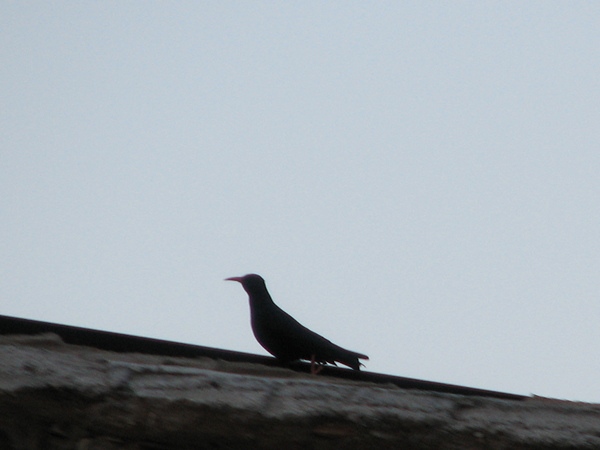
{"x": 417, "y": 181}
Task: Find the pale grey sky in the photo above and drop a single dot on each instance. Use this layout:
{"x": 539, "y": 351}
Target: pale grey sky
{"x": 417, "y": 181}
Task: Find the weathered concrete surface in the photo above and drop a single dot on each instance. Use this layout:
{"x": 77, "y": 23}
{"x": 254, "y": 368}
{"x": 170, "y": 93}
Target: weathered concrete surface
{"x": 58, "y": 396}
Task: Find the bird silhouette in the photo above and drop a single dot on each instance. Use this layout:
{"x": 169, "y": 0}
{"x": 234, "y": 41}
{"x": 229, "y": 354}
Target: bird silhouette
{"x": 284, "y": 337}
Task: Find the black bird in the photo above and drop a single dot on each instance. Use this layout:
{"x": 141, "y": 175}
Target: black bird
{"x": 283, "y": 336}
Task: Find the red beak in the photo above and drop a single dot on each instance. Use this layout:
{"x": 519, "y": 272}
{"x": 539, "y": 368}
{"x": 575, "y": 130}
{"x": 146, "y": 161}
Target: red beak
{"x": 238, "y": 279}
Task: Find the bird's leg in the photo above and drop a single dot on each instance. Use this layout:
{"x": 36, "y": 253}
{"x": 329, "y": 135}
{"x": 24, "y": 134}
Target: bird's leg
{"x": 315, "y": 367}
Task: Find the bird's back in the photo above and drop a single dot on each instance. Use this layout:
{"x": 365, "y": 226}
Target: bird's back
{"x": 288, "y": 340}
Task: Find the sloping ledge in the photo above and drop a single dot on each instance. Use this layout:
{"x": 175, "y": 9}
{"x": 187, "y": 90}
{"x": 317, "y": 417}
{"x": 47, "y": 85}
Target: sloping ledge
{"x": 58, "y": 396}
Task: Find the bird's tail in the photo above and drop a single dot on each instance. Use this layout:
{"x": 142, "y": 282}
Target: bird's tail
{"x": 350, "y": 358}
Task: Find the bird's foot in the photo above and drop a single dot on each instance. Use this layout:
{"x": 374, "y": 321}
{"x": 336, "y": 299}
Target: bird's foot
{"x": 315, "y": 367}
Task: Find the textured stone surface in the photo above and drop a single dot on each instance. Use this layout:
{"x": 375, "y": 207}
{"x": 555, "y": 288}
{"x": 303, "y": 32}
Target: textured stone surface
{"x": 56, "y": 396}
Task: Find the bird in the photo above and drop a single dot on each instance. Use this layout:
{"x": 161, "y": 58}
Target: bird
{"x": 284, "y": 337}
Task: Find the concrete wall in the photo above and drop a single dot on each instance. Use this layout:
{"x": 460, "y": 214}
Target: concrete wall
{"x": 58, "y": 396}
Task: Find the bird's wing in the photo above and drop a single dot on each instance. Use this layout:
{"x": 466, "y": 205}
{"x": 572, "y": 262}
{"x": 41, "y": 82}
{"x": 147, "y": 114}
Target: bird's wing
{"x": 287, "y": 338}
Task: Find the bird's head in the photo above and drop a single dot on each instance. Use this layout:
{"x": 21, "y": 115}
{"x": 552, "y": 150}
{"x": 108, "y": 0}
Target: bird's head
{"x": 252, "y": 283}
